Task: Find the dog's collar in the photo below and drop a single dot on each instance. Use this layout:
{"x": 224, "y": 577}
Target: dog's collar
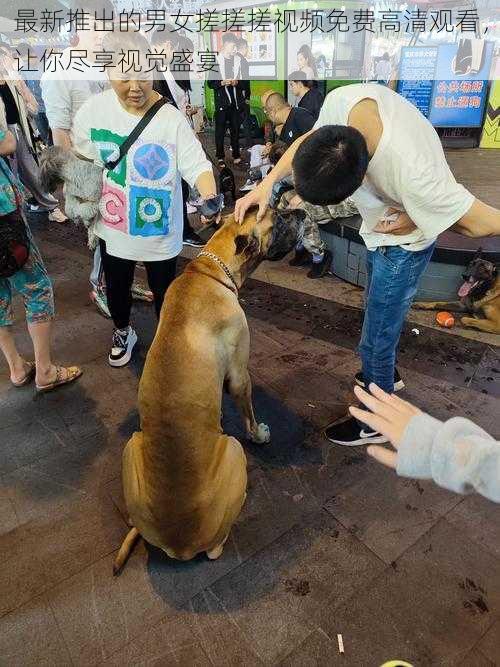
{"x": 215, "y": 258}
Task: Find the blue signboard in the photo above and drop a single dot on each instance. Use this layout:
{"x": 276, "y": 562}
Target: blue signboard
{"x": 416, "y": 75}
{"x": 461, "y": 85}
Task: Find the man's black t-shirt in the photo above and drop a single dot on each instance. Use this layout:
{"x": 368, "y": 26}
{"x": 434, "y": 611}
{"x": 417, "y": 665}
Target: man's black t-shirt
{"x": 312, "y": 101}
{"x": 11, "y": 110}
{"x": 299, "y": 122}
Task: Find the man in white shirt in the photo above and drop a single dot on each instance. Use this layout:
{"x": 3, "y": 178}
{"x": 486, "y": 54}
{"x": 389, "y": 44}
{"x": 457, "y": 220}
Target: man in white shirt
{"x": 373, "y": 146}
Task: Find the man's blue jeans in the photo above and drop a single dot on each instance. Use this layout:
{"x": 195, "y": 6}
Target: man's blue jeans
{"x": 393, "y": 275}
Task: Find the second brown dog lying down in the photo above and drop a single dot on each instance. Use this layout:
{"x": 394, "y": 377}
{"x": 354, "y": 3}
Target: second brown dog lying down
{"x": 184, "y": 480}
{"x": 479, "y": 297}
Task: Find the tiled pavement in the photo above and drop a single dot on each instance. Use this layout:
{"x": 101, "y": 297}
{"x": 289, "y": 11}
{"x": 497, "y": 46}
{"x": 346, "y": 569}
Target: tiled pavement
{"x": 328, "y": 542}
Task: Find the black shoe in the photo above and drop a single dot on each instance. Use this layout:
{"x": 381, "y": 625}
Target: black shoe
{"x": 398, "y": 382}
{"x": 351, "y": 433}
{"x": 122, "y": 347}
{"x": 320, "y": 269}
{"x": 193, "y": 240}
{"x": 301, "y": 258}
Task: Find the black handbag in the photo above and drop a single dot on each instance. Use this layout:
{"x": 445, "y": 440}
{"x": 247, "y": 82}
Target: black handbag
{"x": 14, "y": 239}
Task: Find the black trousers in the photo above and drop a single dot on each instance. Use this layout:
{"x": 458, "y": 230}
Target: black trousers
{"x": 229, "y": 115}
{"x": 247, "y": 126}
{"x": 119, "y": 274}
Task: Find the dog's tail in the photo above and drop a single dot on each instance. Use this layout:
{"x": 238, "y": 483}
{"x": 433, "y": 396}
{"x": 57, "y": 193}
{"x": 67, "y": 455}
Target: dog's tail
{"x": 125, "y": 550}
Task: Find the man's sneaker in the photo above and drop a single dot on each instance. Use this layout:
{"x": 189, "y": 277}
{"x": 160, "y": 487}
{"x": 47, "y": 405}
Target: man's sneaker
{"x": 398, "y": 382}
{"x": 320, "y": 269}
{"x": 122, "y": 346}
{"x": 98, "y": 296}
{"x": 58, "y": 216}
{"x": 351, "y": 433}
{"x": 192, "y": 239}
{"x": 301, "y": 258}
{"x": 249, "y": 185}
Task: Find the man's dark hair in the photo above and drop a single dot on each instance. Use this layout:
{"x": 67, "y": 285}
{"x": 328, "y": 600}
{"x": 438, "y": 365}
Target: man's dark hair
{"x": 330, "y": 164}
{"x": 298, "y": 75}
{"x": 229, "y": 37}
{"x": 241, "y": 42}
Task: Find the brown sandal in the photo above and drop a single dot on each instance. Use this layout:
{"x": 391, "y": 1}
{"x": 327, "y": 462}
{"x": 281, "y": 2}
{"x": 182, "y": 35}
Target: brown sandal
{"x": 72, "y": 374}
{"x": 28, "y": 377}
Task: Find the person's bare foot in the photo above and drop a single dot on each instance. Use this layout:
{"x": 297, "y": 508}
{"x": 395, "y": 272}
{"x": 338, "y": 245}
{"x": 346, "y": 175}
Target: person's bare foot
{"x": 20, "y": 372}
{"x": 55, "y": 374}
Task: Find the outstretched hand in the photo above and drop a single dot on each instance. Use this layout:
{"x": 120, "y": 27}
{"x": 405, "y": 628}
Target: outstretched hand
{"x": 389, "y": 415}
{"x": 258, "y": 197}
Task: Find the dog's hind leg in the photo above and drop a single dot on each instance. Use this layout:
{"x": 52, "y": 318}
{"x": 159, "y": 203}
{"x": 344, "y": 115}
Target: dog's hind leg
{"x": 450, "y": 306}
{"x": 125, "y": 550}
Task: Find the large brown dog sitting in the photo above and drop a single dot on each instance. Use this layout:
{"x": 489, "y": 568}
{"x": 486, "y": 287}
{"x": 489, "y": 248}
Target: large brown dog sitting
{"x": 184, "y": 480}
{"x": 479, "y": 296}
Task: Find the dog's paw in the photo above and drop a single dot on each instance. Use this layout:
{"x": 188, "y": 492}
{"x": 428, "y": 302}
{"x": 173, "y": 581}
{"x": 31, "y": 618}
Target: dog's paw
{"x": 262, "y": 435}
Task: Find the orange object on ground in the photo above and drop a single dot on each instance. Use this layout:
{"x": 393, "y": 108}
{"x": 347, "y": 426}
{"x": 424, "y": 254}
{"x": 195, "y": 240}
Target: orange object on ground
{"x": 445, "y": 319}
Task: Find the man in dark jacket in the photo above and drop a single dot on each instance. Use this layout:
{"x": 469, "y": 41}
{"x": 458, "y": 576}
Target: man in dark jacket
{"x": 307, "y": 94}
{"x": 242, "y": 46}
{"x": 289, "y": 122}
{"x": 229, "y": 97}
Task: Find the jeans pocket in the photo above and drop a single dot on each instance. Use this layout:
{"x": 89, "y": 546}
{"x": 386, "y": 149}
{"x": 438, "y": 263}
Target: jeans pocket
{"x": 392, "y": 256}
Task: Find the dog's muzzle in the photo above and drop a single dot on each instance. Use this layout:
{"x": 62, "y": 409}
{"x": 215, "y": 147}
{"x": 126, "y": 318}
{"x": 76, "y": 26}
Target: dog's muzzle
{"x": 285, "y": 233}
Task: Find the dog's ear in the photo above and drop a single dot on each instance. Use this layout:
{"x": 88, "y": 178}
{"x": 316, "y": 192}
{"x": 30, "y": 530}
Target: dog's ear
{"x": 249, "y": 244}
{"x": 241, "y": 242}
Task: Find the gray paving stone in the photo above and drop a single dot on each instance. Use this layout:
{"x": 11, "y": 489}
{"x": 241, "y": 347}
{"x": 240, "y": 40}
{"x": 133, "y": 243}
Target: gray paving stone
{"x": 388, "y": 513}
{"x": 30, "y": 637}
{"x": 431, "y": 608}
{"x": 50, "y": 548}
{"x": 277, "y": 596}
{"x": 489, "y": 644}
{"x": 318, "y": 650}
{"x": 479, "y": 519}
{"x": 169, "y": 642}
{"x": 223, "y": 641}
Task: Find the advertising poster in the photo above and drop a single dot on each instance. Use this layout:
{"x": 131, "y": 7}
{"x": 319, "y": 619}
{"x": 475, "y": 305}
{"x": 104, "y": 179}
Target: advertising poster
{"x": 491, "y": 128}
{"x": 416, "y": 75}
{"x": 461, "y": 86}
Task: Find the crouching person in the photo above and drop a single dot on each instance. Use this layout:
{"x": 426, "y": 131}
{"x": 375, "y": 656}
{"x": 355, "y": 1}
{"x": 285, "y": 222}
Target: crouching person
{"x": 141, "y": 216}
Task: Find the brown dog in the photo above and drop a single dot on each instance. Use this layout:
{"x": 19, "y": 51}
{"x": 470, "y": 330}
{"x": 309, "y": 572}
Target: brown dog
{"x": 184, "y": 480}
{"x": 479, "y": 296}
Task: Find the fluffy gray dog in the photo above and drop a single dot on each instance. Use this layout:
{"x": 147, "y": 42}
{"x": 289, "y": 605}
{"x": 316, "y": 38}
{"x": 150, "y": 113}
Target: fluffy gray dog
{"x": 82, "y": 184}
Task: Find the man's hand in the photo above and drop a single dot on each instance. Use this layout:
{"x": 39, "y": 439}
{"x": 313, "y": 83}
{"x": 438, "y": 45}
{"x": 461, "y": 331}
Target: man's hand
{"x": 401, "y": 225}
{"x": 389, "y": 415}
{"x": 258, "y": 197}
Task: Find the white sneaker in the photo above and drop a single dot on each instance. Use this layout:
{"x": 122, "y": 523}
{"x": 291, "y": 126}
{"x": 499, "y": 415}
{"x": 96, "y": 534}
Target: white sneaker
{"x": 58, "y": 216}
{"x": 122, "y": 347}
{"x": 249, "y": 185}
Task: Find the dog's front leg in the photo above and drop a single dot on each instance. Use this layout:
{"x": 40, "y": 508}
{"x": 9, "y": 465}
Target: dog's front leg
{"x": 240, "y": 388}
{"x": 483, "y": 325}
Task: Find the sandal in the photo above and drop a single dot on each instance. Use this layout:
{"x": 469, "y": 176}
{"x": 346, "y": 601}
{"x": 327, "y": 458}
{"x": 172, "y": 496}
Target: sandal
{"x": 141, "y": 293}
{"x": 28, "y": 377}
{"x": 72, "y": 374}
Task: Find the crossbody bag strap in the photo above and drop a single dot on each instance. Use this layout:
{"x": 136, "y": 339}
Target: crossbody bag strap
{"x": 136, "y": 132}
